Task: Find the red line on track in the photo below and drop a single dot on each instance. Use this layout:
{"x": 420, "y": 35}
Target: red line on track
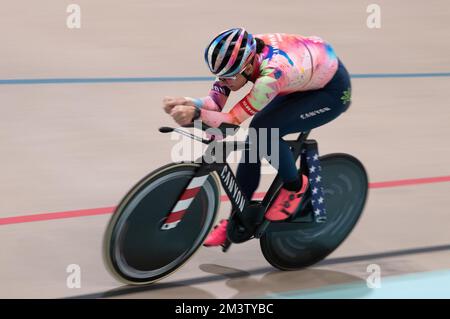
{"x": 408, "y": 182}
{"x": 59, "y": 215}
{"x": 109, "y": 210}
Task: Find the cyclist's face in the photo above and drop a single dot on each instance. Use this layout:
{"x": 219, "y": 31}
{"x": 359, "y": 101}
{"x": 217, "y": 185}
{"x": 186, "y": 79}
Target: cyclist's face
{"x": 239, "y": 81}
{"x": 235, "y": 84}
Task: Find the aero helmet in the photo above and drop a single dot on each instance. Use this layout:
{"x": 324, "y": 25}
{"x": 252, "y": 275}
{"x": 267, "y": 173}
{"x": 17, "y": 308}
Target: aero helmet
{"x": 230, "y": 52}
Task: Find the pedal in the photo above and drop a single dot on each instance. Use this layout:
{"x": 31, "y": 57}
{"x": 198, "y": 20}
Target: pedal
{"x": 226, "y": 246}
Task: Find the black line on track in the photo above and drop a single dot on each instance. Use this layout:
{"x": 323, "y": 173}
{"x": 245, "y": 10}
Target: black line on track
{"x": 124, "y": 290}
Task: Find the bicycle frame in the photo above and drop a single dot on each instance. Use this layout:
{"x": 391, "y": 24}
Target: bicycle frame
{"x": 147, "y": 205}
{"x": 210, "y": 163}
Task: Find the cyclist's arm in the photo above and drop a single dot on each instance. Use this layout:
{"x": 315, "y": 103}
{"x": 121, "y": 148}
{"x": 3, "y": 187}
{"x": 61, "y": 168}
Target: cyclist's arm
{"x": 263, "y": 91}
{"x": 216, "y": 99}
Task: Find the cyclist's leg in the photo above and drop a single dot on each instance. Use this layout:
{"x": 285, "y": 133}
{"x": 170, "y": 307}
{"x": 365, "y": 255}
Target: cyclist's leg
{"x": 305, "y": 111}
{"x": 293, "y": 113}
{"x": 249, "y": 169}
{"x": 248, "y": 173}
{"x": 309, "y": 112}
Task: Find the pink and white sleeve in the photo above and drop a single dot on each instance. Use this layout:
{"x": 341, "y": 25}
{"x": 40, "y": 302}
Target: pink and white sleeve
{"x": 216, "y": 99}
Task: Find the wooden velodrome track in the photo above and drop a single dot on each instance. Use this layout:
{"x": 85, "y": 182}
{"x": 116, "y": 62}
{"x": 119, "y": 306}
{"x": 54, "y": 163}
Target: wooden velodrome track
{"x": 76, "y": 148}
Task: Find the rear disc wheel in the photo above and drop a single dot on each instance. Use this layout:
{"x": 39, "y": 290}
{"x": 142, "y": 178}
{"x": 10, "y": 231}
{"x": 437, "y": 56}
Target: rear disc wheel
{"x": 291, "y": 245}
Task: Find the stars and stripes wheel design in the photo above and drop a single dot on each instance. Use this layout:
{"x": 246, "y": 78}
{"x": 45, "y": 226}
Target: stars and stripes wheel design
{"x": 315, "y": 182}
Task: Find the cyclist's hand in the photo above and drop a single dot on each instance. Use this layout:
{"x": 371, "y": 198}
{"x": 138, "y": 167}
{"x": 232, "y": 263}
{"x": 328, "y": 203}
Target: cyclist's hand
{"x": 183, "y": 114}
{"x": 170, "y": 102}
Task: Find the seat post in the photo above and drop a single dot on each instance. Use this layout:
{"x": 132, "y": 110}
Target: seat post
{"x": 296, "y": 146}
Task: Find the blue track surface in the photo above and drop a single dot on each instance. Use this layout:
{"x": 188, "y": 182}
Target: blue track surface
{"x": 427, "y": 285}
{"x": 191, "y": 78}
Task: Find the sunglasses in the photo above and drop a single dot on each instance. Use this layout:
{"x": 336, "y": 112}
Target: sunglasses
{"x": 234, "y": 77}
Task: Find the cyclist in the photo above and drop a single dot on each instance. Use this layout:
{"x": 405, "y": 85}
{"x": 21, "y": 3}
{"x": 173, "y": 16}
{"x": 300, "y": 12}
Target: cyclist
{"x": 299, "y": 84}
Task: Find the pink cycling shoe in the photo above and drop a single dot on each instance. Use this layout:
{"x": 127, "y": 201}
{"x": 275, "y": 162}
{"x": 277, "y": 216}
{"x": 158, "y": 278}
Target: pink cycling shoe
{"x": 218, "y": 236}
{"x": 286, "y": 202}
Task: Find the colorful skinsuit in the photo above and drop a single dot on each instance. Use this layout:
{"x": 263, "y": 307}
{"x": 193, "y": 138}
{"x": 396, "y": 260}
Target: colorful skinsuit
{"x": 289, "y": 63}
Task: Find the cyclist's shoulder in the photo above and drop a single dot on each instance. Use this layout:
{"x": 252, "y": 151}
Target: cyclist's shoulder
{"x": 279, "y": 36}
